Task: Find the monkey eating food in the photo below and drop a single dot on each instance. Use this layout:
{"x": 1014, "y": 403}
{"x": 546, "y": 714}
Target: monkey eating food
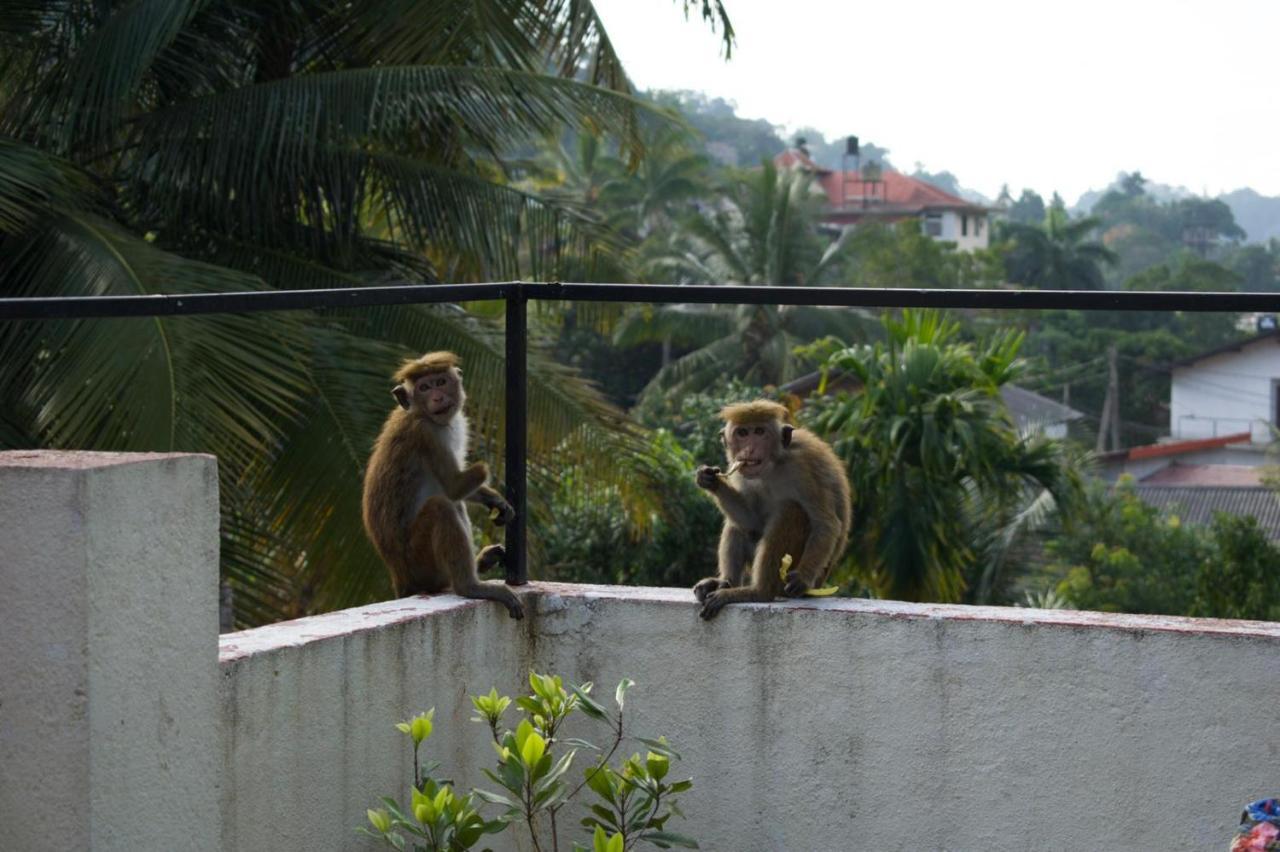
{"x": 784, "y": 494}
{"x": 418, "y": 482}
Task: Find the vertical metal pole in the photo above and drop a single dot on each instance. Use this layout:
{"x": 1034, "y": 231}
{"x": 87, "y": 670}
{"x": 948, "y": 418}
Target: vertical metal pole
{"x": 517, "y": 432}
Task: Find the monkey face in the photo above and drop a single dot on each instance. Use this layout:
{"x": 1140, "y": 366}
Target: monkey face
{"x": 438, "y": 395}
{"x": 753, "y": 447}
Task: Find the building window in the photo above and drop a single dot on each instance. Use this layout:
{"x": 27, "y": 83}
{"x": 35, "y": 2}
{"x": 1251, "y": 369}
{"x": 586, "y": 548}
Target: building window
{"x": 977, "y": 226}
{"x": 933, "y": 225}
{"x": 964, "y": 225}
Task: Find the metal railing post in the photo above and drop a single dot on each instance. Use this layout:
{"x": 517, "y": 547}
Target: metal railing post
{"x": 517, "y": 437}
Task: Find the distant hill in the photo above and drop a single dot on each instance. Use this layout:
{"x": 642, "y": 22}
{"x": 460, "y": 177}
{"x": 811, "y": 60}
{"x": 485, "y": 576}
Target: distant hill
{"x": 1258, "y": 215}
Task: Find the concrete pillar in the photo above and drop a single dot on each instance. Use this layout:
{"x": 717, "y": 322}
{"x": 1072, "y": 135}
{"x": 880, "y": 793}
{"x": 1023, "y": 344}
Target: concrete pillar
{"x": 109, "y": 708}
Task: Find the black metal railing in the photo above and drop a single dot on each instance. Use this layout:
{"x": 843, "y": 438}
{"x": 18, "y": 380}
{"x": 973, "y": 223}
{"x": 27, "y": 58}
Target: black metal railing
{"x": 518, "y": 294}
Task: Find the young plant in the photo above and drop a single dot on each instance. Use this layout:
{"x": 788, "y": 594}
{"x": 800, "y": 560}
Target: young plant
{"x": 438, "y": 819}
{"x": 635, "y": 803}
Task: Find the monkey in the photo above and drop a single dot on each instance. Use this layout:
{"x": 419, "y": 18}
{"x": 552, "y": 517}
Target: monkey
{"x": 417, "y": 483}
{"x": 785, "y": 492}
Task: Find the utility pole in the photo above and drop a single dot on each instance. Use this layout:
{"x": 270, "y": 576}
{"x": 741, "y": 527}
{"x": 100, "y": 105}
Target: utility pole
{"x": 1110, "y": 419}
{"x": 1112, "y": 358}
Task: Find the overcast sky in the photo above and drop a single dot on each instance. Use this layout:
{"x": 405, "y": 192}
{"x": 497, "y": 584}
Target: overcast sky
{"x": 1051, "y": 96}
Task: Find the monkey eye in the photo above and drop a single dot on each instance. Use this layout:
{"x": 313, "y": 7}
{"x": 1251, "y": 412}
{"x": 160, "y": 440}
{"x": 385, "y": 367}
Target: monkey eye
{"x": 423, "y": 387}
{"x": 741, "y": 432}
{"x": 759, "y": 430}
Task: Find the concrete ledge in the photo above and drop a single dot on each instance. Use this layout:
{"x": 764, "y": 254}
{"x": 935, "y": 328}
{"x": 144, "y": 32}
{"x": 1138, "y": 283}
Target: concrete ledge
{"x": 811, "y": 725}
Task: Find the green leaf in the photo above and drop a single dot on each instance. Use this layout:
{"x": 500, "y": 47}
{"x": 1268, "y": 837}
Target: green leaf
{"x": 620, "y": 694}
{"x": 532, "y": 750}
{"x": 380, "y": 819}
{"x": 588, "y": 705}
{"x": 496, "y": 799}
{"x": 670, "y": 838}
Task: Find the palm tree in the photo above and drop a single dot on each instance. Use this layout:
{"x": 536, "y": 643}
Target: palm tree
{"x": 1058, "y": 254}
{"x": 178, "y": 147}
{"x": 943, "y": 483}
{"x": 761, "y": 232}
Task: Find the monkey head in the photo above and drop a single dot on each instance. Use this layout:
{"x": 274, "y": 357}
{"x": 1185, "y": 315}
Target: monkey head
{"x": 755, "y": 436}
{"x": 431, "y": 384}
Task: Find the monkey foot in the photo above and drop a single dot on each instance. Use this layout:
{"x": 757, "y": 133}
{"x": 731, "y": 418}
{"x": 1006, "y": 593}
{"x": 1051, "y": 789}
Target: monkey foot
{"x": 712, "y": 605}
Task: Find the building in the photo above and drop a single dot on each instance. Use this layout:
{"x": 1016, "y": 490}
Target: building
{"x": 875, "y": 194}
{"x": 1228, "y": 390}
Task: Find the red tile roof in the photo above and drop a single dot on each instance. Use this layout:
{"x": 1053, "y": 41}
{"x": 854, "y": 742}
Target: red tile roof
{"x": 893, "y": 193}
{"x": 1176, "y": 448}
{"x": 1207, "y": 475}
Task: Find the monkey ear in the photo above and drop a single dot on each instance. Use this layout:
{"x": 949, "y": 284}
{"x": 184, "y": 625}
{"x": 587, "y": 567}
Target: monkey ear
{"x": 401, "y": 395}
{"x": 786, "y": 435}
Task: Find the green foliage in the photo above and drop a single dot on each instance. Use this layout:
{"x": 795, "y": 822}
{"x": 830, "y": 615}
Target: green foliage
{"x": 1123, "y": 555}
{"x": 1058, "y": 254}
{"x": 634, "y": 801}
{"x": 157, "y": 147}
{"x": 901, "y": 255}
{"x": 1242, "y": 580}
{"x": 941, "y": 479}
{"x": 596, "y": 540}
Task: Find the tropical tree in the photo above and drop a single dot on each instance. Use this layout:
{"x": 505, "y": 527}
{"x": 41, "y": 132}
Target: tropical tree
{"x": 183, "y": 147}
{"x": 943, "y": 483}
{"x": 761, "y": 232}
{"x": 1058, "y": 254}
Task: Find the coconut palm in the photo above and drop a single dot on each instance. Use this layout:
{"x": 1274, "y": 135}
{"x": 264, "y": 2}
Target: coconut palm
{"x": 1058, "y": 254}
{"x": 761, "y": 232}
{"x": 157, "y": 146}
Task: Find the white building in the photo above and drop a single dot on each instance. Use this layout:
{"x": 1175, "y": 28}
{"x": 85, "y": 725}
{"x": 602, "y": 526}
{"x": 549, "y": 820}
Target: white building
{"x": 1227, "y": 391}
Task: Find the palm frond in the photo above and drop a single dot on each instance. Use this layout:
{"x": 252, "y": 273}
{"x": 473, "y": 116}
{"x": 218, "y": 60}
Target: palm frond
{"x": 248, "y": 132}
{"x": 34, "y": 184}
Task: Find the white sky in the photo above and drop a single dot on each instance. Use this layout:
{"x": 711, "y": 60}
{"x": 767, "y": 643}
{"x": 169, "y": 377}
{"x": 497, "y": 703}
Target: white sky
{"x": 1044, "y": 95}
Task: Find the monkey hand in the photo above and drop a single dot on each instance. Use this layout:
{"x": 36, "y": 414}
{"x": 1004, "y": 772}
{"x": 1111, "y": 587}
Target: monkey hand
{"x": 501, "y": 513}
{"x": 794, "y": 586}
{"x": 707, "y": 477}
{"x": 707, "y": 586}
{"x": 479, "y": 470}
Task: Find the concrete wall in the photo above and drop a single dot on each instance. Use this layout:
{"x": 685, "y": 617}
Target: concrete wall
{"x": 825, "y": 725}
{"x": 108, "y": 651}
{"x": 819, "y": 725}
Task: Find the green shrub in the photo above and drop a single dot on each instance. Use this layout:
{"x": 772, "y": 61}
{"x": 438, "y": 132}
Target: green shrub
{"x": 633, "y": 799}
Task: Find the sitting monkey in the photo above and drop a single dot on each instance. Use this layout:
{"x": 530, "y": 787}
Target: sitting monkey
{"x": 786, "y": 492}
{"x": 416, "y": 485}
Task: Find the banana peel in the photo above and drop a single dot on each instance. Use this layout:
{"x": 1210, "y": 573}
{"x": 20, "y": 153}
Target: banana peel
{"x": 825, "y": 591}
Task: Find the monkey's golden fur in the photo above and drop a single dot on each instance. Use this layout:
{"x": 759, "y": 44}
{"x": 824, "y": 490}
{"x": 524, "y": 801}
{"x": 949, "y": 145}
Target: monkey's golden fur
{"x": 799, "y": 504}
{"x": 756, "y": 411}
{"x": 432, "y": 362}
{"x": 416, "y": 485}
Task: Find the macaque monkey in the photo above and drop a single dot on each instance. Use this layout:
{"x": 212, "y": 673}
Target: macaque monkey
{"x": 417, "y": 484}
{"x": 785, "y": 492}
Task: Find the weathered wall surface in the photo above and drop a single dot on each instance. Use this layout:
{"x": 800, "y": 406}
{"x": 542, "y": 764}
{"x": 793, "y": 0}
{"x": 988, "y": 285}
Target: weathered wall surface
{"x": 108, "y": 651}
{"x": 829, "y": 725}
{"x": 125, "y": 723}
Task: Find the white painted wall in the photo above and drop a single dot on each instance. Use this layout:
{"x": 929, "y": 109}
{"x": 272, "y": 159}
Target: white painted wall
{"x": 1226, "y": 394}
{"x": 815, "y": 726}
{"x": 978, "y": 236}
{"x": 109, "y": 719}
